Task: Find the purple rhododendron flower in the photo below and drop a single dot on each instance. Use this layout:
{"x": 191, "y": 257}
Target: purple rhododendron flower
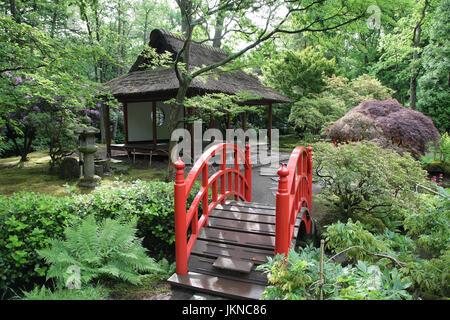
{"x": 27, "y": 96}
{"x": 23, "y": 121}
{"x": 19, "y": 80}
{"x": 36, "y": 108}
{"x": 99, "y": 105}
{"x": 11, "y": 114}
{"x": 95, "y": 112}
{"x": 8, "y": 74}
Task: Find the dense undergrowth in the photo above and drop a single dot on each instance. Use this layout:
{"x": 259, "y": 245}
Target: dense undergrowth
{"x": 387, "y": 240}
{"x": 30, "y": 222}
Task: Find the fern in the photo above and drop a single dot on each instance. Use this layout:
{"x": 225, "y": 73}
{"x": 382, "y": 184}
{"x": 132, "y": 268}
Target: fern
{"x": 43, "y": 293}
{"x": 92, "y": 251}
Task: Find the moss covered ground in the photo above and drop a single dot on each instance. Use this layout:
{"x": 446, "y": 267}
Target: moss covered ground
{"x": 34, "y": 175}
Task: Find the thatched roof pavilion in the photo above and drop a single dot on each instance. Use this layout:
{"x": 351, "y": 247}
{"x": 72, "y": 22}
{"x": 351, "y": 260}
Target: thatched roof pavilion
{"x": 142, "y": 91}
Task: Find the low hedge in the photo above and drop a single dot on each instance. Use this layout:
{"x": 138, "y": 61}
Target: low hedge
{"x": 28, "y": 220}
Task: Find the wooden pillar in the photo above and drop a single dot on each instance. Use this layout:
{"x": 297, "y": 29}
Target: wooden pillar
{"x": 155, "y": 138}
{"x": 125, "y": 122}
{"x": 107, "y": 132}
{"x": 244, "y": 120}
{"x": 228, "y": 120}
{"x": 269, "y": 128}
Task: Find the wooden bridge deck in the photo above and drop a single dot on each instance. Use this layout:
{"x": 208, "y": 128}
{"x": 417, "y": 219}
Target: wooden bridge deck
{"x": 239, "y": 237}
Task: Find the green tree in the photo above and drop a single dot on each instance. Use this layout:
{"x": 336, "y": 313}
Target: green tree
{"x": 433, "y": 91}
{"x": 299, "y": 73}
{"x": 36, "y": 70}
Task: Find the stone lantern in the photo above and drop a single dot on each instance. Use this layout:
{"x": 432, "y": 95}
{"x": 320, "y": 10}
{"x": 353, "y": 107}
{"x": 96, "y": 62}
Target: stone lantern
{"x": 88, "y": 148}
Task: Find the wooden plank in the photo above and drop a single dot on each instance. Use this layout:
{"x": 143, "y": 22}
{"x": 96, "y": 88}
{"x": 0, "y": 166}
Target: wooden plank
{"x": 249, "y": 204}
{"x": 233, "y": 264}
{"x": 245, "y": 226}
{"x": 237, "y": 208}
{"x": 216, "y": 249}
{"x": 246, "y": 216}
{"x": 242, "y": 226}
{"x": 243, "y": 216}
{"x": 216, "y": 285}
{"x": 238, "y": 238}
{"x": 205, "y": 266}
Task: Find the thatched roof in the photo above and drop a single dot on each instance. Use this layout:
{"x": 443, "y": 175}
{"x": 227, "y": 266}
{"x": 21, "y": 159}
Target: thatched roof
{"x": 140, "y": 82}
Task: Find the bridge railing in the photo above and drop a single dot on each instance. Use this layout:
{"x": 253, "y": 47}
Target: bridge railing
{"x": 293, "y": 196}
{"x": 223, "y": 183}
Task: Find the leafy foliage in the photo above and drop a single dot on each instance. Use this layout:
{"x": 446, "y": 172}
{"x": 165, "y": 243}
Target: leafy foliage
{"x": 353, "y": 92}
{"x": 368, "y": 183}
{"x": 43, "y": 293}
{"x": 299, "y": 73}
{"x": 422, "y": 252}
{"x": 431, "y": 224}
{"x": 151, "y": 202}
{"x": 109, "y": 249}
{"x": 340, "y": 236}
{"x": 433, "y": 85}
{"x": 389, "y": 124}
{"x": 297, "y": 278}
{"x": 310, "y": 114}
{"x": 27, "y": 222}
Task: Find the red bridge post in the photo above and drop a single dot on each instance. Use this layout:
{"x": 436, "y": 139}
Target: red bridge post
{"x": 282, "y": 213}
{"x": 248, "y": 174}
{"x": 309, "y": 173}
{"x": 180, "y": 219}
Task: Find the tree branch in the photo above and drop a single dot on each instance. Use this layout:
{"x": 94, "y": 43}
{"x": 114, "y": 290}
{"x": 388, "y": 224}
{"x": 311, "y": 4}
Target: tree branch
{"x": 398, "y": 263}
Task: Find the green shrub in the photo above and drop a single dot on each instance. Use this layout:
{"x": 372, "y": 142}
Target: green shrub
{"x": 299, "y": 73}
{"x": 96, "y": 251}
{"x": 27, "y": 222}
{"x": 431, "y": 224}
{"x": 352, "y": 92}
{"x": 340, "y": 236}
{"x": 430, "y": 278}
{"x": 310, "y": 114}
{"x": 151, "y": 202}
{"x": 428, "y": 235}
{"x": 298, "y": 279}
{"x": 43, "y": 293}
{"x": 368, "y": 183}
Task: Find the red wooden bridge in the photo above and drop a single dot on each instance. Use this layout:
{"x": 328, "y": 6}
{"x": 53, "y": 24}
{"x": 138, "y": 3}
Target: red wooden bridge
{"x": 220, "y": 242}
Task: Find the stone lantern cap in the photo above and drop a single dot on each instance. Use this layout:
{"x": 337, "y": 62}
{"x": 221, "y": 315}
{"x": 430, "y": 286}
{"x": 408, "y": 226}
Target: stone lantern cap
{"x": 87, "y": 145}
{"x": 87, "y": 131}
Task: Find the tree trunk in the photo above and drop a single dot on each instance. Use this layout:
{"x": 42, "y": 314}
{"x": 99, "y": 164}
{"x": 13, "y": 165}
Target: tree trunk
{"x": 176, "y": 111}
{"x": 119, "y": 36}
{"x": 218, "y": 30}
{"x": 13, "y": 8}
{"x": 145, "y": 27}
{"x": 415, "y": 69}
{"x": 54, "y": 19}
